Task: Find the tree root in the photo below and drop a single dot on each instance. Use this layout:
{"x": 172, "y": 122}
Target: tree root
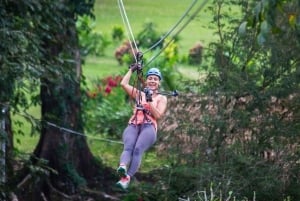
{"x": 13, "y": 197}
{"x": 24, "y": 181}
{"x": 89, "y": 192}
{"x": 69, "y": 197}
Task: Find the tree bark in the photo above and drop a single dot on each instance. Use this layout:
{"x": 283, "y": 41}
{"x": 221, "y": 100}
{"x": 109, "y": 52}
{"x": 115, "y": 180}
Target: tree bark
{"x": 7, "y": 141}
{"x": 66, "y": 153}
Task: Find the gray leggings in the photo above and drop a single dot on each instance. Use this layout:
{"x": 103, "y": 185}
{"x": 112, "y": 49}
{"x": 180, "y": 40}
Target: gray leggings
{"x": 137, "y": 139}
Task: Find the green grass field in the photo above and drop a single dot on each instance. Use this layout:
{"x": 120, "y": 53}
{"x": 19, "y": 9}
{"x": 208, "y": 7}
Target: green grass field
{"x": 164, "y": 14}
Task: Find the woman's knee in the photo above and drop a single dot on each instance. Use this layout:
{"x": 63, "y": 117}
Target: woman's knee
{"x": 137, "y": 151}
{"x": 128, "y": 149}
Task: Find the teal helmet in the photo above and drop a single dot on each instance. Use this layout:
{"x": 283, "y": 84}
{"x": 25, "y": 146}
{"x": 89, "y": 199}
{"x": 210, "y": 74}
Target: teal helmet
{"x": 154, "y": 71}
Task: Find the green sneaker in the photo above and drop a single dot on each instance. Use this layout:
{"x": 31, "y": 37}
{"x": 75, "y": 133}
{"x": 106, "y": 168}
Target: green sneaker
{"x": 124, "y": 182}
{"x": 122, "y": 170}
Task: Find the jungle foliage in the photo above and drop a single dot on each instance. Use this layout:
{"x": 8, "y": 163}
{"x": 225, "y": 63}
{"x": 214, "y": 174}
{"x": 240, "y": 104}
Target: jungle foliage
{"x": 239, "y": 133}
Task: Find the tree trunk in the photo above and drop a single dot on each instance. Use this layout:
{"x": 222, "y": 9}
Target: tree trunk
{"x": 6, "y": 146}
{"x": 65, "y": 152}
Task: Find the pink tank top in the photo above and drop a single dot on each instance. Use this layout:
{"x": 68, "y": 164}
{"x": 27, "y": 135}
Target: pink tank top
{"x": 143, "y": 115}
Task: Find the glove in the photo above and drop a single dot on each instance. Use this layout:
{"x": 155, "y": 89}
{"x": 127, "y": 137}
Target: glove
{"x": 148, "y": 93}
{"x": 135, "y": 66}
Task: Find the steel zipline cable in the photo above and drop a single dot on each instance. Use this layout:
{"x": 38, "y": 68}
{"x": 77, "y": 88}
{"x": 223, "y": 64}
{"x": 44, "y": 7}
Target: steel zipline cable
{"x": 194, "y": 14}
{"x": 132, "y": 39}
{"x": 173, "y": 28}
{"x": 128, "y": 28}
{"x": 138, "y": 56}
{"x": 66, "y": 130}
{"x": 81, "y": 134}
{"x": 131, "y": 36}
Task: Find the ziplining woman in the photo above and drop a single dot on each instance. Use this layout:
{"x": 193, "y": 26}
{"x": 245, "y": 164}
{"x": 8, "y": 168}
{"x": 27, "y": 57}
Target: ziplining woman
{"x": 141, "y": 132}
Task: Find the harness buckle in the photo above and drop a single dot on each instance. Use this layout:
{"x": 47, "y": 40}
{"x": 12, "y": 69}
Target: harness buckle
{"x": 139, "y": 107}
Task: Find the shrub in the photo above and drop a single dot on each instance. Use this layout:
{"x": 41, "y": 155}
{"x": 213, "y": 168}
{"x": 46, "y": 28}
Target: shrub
{"x": 195, "y": 54}
{"x": 117, "y": 33}
{"x": 148, "y": 36}
{"x": 92, "y": 43}
{"x": 106, "y": 107}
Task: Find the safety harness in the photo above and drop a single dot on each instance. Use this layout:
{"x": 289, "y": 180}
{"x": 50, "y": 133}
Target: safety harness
{"x": 146, "y": 113}
{"x": 140, "y": 83}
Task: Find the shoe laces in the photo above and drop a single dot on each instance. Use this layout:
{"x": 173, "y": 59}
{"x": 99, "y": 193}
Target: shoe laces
{"x": 125, "y": 179}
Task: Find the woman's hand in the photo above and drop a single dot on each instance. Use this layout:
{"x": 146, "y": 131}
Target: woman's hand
{"x": 135, "y": 66}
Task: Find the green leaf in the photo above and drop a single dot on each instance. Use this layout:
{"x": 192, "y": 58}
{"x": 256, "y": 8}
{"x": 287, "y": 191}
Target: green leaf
{"x": 264, "y": 28}
{"x": 257, "y": 10}
{"x": 242, "y": 28}
{"x": 261, "y": 39}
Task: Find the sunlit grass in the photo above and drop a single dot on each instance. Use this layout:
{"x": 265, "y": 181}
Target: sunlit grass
{"x": 164, "y": 14}
{"x": 24, "y": 140}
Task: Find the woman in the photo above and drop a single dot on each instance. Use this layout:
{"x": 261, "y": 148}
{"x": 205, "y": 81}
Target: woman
{"x": 140, "y": 134}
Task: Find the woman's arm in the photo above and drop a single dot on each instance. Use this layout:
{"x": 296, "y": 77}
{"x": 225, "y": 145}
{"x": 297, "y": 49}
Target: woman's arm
{"x": 130, "y": 90}
{"x": 160, "y": 110}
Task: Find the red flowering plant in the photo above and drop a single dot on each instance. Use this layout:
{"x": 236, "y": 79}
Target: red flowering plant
{"x": 106, "y": 109}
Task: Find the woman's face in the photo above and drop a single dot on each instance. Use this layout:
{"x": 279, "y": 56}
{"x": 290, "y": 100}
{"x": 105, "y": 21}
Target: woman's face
{"x": 152, "y": 82}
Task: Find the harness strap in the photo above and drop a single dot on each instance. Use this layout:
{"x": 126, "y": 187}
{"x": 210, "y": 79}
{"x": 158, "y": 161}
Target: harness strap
{"x": 145, "y": 113}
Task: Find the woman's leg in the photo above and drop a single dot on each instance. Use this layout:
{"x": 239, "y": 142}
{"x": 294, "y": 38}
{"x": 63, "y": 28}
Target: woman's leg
{"x": 146, "y": 139}
{"x": 130, "y": 136}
